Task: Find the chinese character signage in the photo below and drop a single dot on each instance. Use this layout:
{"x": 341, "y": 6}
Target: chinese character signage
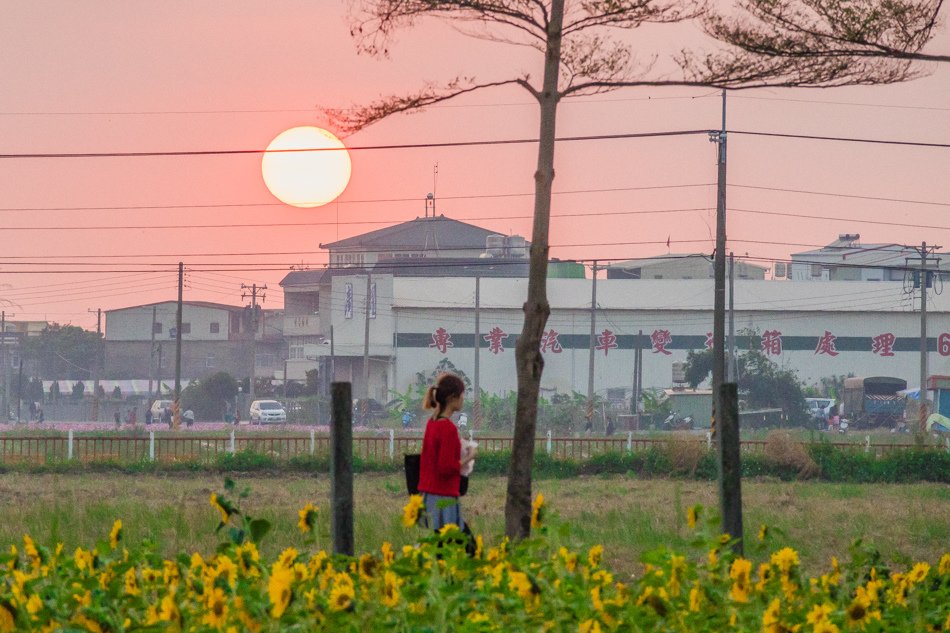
{"x": 659, "y": 340}
{"x": 883, "y": 344}
{"x": 606, "y": 341}
{"x": 495, "y": 339}
{"x": 441, "y": 340}
{"x": 772, "y": 343}
{"x": 347, "y": 301}
{"x": 826, "y": 344}
{"x": 549, "y": 342}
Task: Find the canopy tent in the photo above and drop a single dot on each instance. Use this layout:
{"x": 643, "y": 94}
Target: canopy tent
{"x": 127, "y": 387}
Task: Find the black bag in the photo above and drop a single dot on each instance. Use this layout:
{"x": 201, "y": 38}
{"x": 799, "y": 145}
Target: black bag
{"x": 412, "y": 463}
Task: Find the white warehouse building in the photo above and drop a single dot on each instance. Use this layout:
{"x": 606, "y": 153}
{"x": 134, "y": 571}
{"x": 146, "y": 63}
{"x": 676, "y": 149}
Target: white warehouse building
{"x": 819, "y": 330}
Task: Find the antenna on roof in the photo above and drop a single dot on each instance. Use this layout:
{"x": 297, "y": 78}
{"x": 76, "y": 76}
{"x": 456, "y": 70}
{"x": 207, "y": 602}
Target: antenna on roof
{"x": 430, "y": 198}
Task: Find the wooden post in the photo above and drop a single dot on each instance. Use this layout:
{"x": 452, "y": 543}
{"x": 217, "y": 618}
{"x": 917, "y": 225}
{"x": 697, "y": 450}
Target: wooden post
{"x": 341, "y": 468}
{"x": 730, "y": 472}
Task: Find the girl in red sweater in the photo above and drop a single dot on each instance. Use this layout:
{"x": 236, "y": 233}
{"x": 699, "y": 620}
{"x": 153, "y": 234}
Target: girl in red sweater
{"x": 441, "y": 463}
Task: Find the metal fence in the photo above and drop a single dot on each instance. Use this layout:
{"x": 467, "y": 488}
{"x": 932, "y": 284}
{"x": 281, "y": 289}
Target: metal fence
{"x": 208, "y": 448}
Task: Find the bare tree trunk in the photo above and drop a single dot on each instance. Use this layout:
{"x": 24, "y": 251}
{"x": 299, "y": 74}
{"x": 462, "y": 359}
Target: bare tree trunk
{"x": 528, "y": 358}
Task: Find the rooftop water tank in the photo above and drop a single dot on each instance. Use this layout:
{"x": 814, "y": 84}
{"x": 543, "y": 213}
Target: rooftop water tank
{"x": 495, "y": 245}
{"x": 517, "y": 247}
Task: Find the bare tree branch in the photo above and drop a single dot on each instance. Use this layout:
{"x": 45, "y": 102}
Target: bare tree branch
{"x": 349, "y": 120}
{"x": 629, "y": 14}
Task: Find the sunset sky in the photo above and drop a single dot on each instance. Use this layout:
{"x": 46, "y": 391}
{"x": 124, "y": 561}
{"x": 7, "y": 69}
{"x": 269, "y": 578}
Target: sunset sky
{"x": 118, "y": 76}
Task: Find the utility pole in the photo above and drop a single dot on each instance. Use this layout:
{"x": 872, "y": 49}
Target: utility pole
{"x": 364, "y": 390}
{"x": 732, "y": 369}
{"x": 95, "y": 367}
{"x": 176, "y": 408}
{"x": 151, "y": 353}
{"x": 635, "y": 391}
{"x": 925, "y": 276}
{"x": 255, "y": 291}
{"x": 593, "y": 345}
{"x": 5, "y": 406}
{"x": 477, "y": 396}
{"x": 158, "y": 373}
{"x": 719, "y": 269}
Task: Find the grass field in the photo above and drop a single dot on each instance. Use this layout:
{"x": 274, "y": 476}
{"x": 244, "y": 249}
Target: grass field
{"x": 628, "y": 516}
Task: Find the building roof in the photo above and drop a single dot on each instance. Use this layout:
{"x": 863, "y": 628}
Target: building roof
{"x": 197, "y": 304}
{"x": 847, "y": 249}
{"x": 311, "y": 277}
{"x": 437, "y": 232}
{"x": 668, "y": 295}
{"x": 672, "y": 257}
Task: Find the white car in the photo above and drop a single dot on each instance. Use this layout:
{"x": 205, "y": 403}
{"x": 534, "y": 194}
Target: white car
{"x": 267, "y": 411}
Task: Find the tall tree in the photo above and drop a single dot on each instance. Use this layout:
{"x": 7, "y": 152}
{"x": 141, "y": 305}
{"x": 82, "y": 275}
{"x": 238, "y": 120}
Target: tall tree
{"x": 820, "y": 42}
{"x": 580, "y": 58}
{"x": 62, "y": 351}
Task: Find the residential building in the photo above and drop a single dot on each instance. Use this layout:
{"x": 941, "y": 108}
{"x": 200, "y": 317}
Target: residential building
{"x": 679, "y": 266}
{"x": 846, "y": 259}
{"x": 140, "y": 341}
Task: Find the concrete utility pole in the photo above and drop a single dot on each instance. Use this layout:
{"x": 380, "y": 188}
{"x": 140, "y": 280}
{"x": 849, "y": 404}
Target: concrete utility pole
{"x": 924, "y": 276}
{"x": 5, "y": 401}
{"x": 95, "y": 367}
{"x": 476, "y": 387}
{"x": 719, "y": 269}
{"x": 364, "y": 388}
{"x": 341, "y": 469}
{"x": 151, "y": 353}
{"x": 731, "y": 367}
{"x": 255, "y": 292}
{"x": 593, "y": 345}
{"x": 176, "y": 408}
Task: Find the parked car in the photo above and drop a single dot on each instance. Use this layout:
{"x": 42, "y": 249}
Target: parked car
{"x": 267, "y": 411}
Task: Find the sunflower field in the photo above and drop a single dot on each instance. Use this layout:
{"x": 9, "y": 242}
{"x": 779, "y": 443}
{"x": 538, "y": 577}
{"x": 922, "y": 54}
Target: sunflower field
{"x": 539, "y": 584}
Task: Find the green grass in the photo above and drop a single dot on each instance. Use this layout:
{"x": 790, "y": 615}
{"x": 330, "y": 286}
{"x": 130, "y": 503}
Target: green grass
{"x": 625, "y": 514}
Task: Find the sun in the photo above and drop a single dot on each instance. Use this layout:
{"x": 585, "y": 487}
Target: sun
{"x": 306, "y": 179}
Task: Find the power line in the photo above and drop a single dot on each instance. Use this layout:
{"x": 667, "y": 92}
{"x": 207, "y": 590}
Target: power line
{"x": 331, "y": 223}
{"x": 843, "y": 195}
{"x": 839, "y": 219}
{"x": 232, "y": 152}
{"x": 843, "y": 103}
{"x": 150, "y": 207}
{"x": 843, "y": 139}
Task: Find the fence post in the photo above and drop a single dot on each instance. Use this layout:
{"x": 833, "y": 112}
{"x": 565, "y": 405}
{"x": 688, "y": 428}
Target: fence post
{"x": 730, "y": 471}
{"x": 151, "y": 446}
{"x": 392, "y": 444}
{"x": 341, "y": 468}
{"x": 948, "y": 444}
{"x": 867, "y": 443}
{"x": 313, "y": 442}
{"x": 629, "y": 441}
{"x": 549, "y": 441}
{"x": 69, "y": 446}
{"x": 231, "y": 446}
{"x": 708, "y": 440}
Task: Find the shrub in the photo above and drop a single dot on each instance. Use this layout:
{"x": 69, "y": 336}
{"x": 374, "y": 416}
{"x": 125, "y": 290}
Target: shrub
{"x": 685, "y": 453}
{"x": 785, "y": 452}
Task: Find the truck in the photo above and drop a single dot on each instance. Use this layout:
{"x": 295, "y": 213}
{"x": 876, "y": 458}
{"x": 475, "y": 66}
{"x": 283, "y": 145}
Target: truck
{"x": 874, "y": 401}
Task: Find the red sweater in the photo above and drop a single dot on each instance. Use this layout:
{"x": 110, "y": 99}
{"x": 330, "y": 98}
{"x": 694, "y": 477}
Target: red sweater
{"x": 441, "y": 455}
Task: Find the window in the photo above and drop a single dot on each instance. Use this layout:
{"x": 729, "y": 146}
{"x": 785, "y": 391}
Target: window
{"x": 214, "y": 328}
{"x": 156, "y": 328}
{"x": 209, "y": 361}
{"x": 816, "y": 270}
{"x": 186, "y": 328}
{"x": 265, "y": 360}
{"x": 296, "y": 352}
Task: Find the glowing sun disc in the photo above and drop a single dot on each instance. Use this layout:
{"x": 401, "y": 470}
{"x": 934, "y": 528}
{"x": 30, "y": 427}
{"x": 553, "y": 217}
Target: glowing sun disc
{"x": 306, "y": 179}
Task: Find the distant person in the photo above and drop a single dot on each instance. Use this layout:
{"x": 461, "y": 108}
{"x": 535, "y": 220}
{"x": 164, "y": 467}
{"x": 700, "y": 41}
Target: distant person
{"x": 148, "y": 416}
{"x": 406, "y": 419}
{"x": 32, "y": 410}
{"x": 610, "y": 427}
{"x": 118, "y": 418}
{"x": 40, "y": 417}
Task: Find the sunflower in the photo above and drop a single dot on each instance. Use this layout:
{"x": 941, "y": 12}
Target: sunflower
{"x": 595, "y": 554}
{"x": 217, "y": 609}
{"x": 368, "y": 566}
{"x": 692, "y": 516}
{"x": 740, "y": 572}
{"x": 537, "y": 511}
{"x": 116, "y": 534}
{"x": 279, "y": 589}
{"x": 763, "y": 531}
{"x": 342, "y": 594}
{"x": 168, "y": 610}
{"x": 222, "y": 506}
{"x": 131, "y": 583}
{"x": 918, "y": 573}
{"x": 308, "y": 516}
{"x": 391, "y": 584}
{"x": 859, "y": 612}
{"x": 7, "y": 623}
{"x": 410, "y": 513}
{"x": 785, "y": 559}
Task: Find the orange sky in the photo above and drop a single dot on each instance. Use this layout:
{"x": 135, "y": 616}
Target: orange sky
{"x": 118, "y": 76}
